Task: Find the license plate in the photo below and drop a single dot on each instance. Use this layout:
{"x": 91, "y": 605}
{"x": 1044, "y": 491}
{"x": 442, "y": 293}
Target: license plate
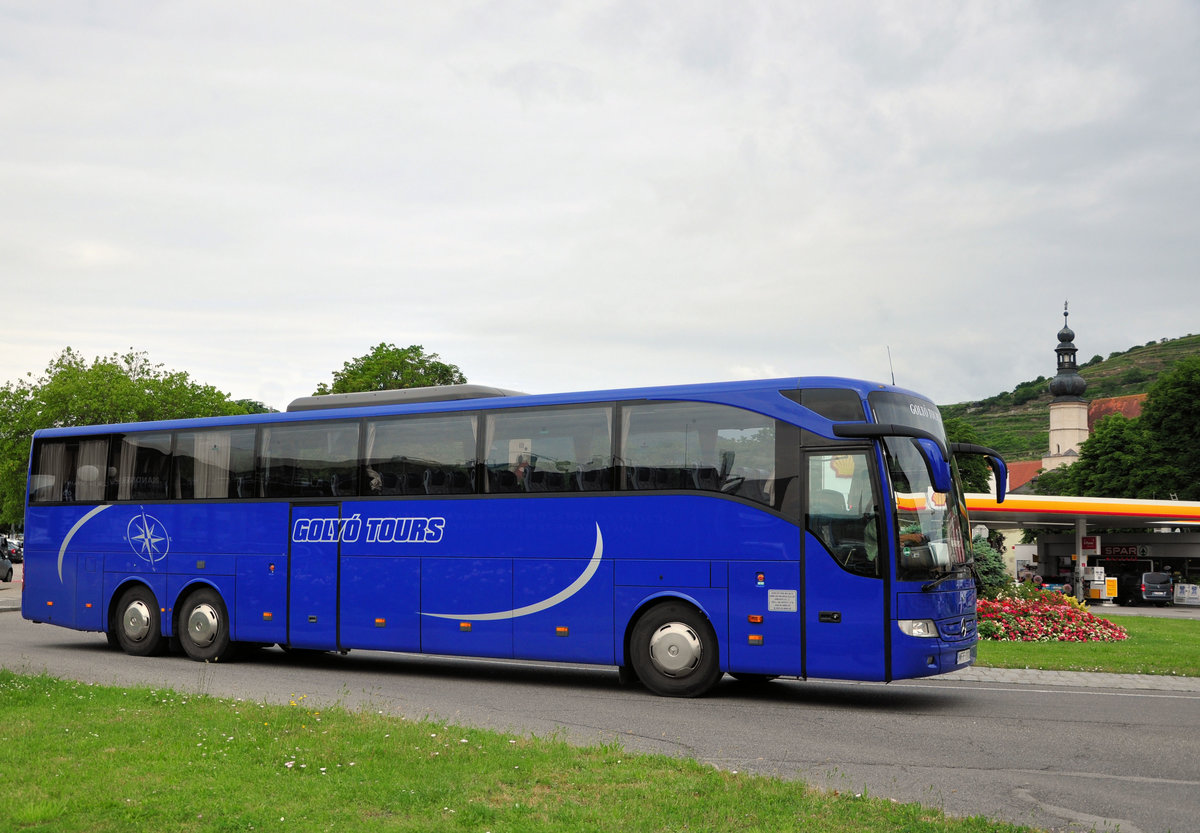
{"x": 963, "y": 656}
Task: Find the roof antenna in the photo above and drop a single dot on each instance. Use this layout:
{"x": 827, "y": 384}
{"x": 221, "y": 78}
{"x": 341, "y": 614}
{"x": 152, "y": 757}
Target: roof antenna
{"x": 892, "y": 369}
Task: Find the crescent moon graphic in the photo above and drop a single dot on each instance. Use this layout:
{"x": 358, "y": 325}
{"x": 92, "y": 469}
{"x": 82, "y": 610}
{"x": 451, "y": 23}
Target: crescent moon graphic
{"x": 78, "y": 526}
{"x": 545, "y": 604}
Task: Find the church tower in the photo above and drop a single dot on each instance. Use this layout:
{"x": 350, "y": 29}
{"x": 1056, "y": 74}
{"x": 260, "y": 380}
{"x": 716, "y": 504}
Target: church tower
{"x": 1069, "y": 410}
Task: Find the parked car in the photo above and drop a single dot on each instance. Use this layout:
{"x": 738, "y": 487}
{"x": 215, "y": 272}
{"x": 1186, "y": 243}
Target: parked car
{"x": 1136, "y": 588}
{"x": 12, "y": 549}
{"x": 6, "y": 569}
{"x": 1156, "y": 587}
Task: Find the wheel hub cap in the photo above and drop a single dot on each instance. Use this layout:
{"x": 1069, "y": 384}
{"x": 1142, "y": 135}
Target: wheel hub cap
{"x": 675, "y": 649}
{"x": 136, "y": 621}
{"x": 202, "y": 624}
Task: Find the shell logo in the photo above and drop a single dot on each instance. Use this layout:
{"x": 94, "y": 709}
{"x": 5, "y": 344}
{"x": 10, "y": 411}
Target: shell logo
{"x": 843, "y": 466}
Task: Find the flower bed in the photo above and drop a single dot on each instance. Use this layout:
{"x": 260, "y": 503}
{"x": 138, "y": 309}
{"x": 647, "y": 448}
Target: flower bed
{"x": 1043, "y": 617}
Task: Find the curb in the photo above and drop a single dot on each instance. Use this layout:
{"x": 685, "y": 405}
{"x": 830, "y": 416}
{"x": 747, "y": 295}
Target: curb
{"x": 1076, "y": 679}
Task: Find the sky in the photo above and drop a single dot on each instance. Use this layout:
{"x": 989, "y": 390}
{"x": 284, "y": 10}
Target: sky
{"x": 563, "y": 196}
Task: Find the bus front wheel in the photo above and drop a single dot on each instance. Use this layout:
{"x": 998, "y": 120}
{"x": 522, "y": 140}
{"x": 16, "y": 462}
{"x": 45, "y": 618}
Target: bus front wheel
{"x": 673, "y": 650}
{"x": 204, "y": 627}
{"x": 138, "y": 628}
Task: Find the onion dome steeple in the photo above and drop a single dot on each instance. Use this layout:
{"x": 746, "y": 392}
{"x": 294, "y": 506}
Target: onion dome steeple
{"x": 1068, "y": 384}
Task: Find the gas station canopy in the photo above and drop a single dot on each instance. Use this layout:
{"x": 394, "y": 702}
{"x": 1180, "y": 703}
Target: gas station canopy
{"x": 1019, "y": 511}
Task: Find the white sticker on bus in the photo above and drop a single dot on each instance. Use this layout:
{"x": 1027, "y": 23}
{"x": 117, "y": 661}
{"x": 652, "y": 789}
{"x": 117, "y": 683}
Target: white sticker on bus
{"x": 781, "y": 601}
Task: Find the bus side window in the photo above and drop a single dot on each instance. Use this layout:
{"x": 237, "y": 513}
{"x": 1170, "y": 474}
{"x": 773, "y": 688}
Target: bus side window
{"x": 49, "y": 476}
{"x": 549, "y": 449}
{"x": 693, "y": 446}
{"x": 421, "y": 455}
{"x": 310, "y": 460}
{"x": 140, "y": 467}
{"x": 214, "y": 464}
{"x": 841, "y": 510}
{"x": 69, "y": 471}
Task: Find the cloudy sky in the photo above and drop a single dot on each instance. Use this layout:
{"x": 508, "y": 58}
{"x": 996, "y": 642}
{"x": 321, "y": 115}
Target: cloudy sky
{"x": 564, "y": 196}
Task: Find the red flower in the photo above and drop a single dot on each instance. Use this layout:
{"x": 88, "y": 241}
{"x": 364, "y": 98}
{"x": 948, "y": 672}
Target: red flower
{"x": 1043, "y": 617}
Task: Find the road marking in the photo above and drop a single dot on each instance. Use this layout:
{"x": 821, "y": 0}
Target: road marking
{"x": 1097, "y": 822}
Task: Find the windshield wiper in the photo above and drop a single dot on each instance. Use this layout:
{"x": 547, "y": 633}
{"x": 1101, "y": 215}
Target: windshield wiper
{"x": 950, "y": 573}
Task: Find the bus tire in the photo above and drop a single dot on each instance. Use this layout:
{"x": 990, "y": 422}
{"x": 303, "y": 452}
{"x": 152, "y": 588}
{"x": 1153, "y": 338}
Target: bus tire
{"x": 673, "y": 650}
{"x": 204, "y": 626}
{"x": 138, "y": 623}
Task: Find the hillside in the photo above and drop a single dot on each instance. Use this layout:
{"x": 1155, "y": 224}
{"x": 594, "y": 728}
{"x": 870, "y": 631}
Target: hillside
{"x": 1017, "y": 423}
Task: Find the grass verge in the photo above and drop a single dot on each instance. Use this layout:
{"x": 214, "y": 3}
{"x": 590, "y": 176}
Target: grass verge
{"x": 1154, "y": 646}
{"x": 79, "y": 757}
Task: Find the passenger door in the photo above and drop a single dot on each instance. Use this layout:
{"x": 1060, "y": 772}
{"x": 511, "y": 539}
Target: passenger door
{"x": 845, "y": 616}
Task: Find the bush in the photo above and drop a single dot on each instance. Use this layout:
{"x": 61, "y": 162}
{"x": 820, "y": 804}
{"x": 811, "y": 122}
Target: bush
{"x": 1029, "y": 614}
{"x": 993, "y": 578}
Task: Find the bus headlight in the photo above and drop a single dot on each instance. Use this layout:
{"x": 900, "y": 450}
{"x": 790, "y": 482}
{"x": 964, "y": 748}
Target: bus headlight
{"x": 918, "y": 627}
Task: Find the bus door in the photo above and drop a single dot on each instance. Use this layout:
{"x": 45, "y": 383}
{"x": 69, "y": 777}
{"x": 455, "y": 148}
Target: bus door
{"x": 845, "y": 615}
{"x": 313, "y": 576}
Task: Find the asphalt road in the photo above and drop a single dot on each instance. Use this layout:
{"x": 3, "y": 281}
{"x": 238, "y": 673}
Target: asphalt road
{"x": 1061, "y": 757}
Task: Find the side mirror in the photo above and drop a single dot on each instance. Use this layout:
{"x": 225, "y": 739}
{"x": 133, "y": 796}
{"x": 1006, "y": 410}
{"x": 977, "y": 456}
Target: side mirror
{"x": 938, "y": 466}
{"x": 993, "y": 459}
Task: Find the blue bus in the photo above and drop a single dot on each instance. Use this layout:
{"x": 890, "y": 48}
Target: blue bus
{"x": 801, "y": 527}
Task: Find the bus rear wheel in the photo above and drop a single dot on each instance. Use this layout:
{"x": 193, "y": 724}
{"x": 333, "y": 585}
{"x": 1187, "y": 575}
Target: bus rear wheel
{"x": 204, "y": 627}
{"x": 673, "y": 651}
{"x": 138, "y": 627}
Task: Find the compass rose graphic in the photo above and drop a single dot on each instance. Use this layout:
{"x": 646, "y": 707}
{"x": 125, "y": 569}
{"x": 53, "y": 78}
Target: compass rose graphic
{"x": 148, "y": 538}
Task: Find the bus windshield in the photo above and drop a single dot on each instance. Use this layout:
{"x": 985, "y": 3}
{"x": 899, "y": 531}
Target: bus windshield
{"x": 932, "y": 525}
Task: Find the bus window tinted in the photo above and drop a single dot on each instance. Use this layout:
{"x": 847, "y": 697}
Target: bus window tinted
{"x": 214, "y": 464}
{"x": 421, "y": 455}
{"x": 142, "y": 463}
{"x": 310, "y": 460}
{"x": 69, "y": 470}
{"x": 683, "y": 445}
{"x": 549, "y": 450}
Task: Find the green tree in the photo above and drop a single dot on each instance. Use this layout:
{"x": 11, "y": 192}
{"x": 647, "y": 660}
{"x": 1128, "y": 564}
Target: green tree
{"x": 253, "y": 406}
{"x": 1058, "y": 481}
{"x": 112, "y": 389}
{"x": 388, "y": 367}
{"x": 1171, "y": 417}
